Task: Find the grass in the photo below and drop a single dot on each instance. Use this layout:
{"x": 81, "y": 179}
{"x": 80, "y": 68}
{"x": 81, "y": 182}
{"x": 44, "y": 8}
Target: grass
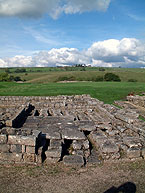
{"x": 105, "y": 91}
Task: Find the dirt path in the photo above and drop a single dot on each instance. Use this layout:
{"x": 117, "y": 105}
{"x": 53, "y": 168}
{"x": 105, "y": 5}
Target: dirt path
{"x": 59, "y": 179}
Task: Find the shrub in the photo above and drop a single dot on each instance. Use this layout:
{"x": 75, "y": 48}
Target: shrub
{"x": 101, "y": 69}
{"x": 111, "y": 77}
{"x": 99, "y": 79}
{"x": 17, "y": 78}
{"x": 132, "y": 80}
{"x": 20, "y": 70}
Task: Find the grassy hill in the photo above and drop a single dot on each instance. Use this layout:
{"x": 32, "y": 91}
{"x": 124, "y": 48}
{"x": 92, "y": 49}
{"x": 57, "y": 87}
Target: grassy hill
{"x": 46, "y": 82}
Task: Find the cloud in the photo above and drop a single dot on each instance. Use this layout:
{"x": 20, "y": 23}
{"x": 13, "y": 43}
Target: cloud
{"x": 136, "y": 17}
{"x": 36, "y": 8}
{"x": 127, "y": 52}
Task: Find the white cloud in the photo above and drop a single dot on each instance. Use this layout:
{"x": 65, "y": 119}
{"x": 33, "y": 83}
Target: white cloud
{"x": 36, "y": 8}
{"x": 128, "y": 52}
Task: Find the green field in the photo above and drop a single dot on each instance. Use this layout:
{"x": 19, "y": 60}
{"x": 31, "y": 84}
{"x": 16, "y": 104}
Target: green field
{"x": 46, "y": 82}
{"x": 49, "y": 74}
{"x": 105, "y": 91}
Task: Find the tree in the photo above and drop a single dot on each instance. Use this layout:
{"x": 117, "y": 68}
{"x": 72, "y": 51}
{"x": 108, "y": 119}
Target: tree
{"x": 111, "y": 77}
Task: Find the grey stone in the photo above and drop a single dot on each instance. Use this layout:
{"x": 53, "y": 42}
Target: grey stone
{"x": 52, "y": 135}
{"x": 133, "y": 153}
{"x": 54, "y": 153}
{"x": 86, "y": 125}
{"x": 132, "y": 142}
{"x": 11, "y": 157}
{"x": 86, "y": 144}
{"x": 73, "y": 134}
{"x": 22, "y": 140}
{"x": 30, "y": 149}
{"x": 4, "y": 148}
{"x": 109, "y": 147}
{"x": 3, "y": 139}
{"x": 73, "y": 160}
{"x": 143, "y": 152}
{"x": 16, "y": 148}
{"x": 55, "y": 143}
{"x": 77, "y": 145}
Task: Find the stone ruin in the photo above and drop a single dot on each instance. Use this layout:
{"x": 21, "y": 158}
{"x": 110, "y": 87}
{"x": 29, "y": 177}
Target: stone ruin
{"x": 75, "y": 130}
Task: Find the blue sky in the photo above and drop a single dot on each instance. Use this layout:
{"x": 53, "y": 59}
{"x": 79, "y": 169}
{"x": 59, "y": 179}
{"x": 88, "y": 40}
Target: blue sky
{"x": 49, "y": 30}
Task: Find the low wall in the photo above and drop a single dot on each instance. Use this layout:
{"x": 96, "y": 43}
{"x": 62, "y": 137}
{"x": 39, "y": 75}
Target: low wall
{"x": 137, "y": 100}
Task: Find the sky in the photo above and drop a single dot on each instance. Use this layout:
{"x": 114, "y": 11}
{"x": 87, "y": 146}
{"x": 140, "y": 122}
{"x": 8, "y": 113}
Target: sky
{"x": 108, "y": 33}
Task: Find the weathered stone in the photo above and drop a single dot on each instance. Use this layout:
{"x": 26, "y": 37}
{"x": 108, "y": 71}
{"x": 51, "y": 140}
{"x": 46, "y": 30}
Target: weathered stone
{"x": 86, "y": 144}
{"x": 77, "y": 145}
{"x": 132, "y": 142}
{"x": 109, "y": 147}
{"x": 30, "y": 149}
{"x": 11, "y": 157}
{"x": 143, "y": 152}
{"x": 22, "y": 140}
{"x": 55, "y": 143}
{"x": 10, "y": 130}
{"x": 36, "y": 132}
{"x": 73, "y": 160}
{"x": 3, "y": 139}
{"x": 78, "y": 152}
{"x": 56, "y": 153}
{"x": 124, "y": 118}
{"x": 94, "y": 158}
{"x": 52, "y": 135}
{"x": 133, "y": 153}
{"x": 73, "y": 134}
{"x": 86, "y": 125}
{"x": 16, "y": 148}
{"x": 29, "y": 158}
{"x": 4, "y": 148}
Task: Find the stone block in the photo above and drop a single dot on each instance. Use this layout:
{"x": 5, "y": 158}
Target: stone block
{"x": 77, "y": 145}
{"x": 22, "y": 140}
{"x": 133, "y": 153}
{"x": 73, "y": 134}
{"x": 86, "y": 144}
{"x": 55, "y": 143}
{"x": 86, "y": 125}
{"x": 29, "y": 158}
{"x": 132, "y": 142}
{"x": 11, "y": 157}
{"x": 143, "y": 152}
{"x": 52, "y": 135}
{"x": 4, "y": 148}
{"x": 109, "y": 147}
{"x": 30, "y": 149}
{"x": 3, "y": 139}
{"x": 55, "y": 153}
{"x": 73, "y": 160}
{"x": 16, "y": 148}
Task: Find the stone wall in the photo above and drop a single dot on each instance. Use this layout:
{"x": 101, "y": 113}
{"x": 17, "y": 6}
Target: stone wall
{"x": 74, "y": 129}
{"x": 137, "y": 100}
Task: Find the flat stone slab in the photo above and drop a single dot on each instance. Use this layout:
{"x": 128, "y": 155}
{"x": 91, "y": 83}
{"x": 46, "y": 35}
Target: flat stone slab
{"x": 73, "y": 134}
{"x": 109, "y": 147}
{"x": 93, "y": 158}
{"x": 73, "y": 160}
{"x": 86, "y": 125}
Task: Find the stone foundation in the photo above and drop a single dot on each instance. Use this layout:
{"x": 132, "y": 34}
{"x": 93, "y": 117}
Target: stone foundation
{"x": 75, "y": 130}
